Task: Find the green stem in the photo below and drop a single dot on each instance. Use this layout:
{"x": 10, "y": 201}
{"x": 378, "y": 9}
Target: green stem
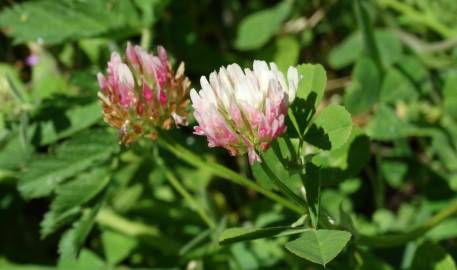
{"x": 150, "y": 235}
{"x": 312, "y": 183}
{"x": 23, "y": 132}
{"x": 223, "y": 172}
{"x": 183, "y": 192}
{"x": 285, "y": 189}
{"x": 145, "y": 38}
{"x": 7, "y": 176}
{"x": 297, "y": 129}
{"x": 385, "y": 241}
{"x": 294, "y": 122}
{"x": 290, "y": 146}
{"x": 419, "y": 17}
{"x": 379, "y": 190}
{"x": 107, "y": 217}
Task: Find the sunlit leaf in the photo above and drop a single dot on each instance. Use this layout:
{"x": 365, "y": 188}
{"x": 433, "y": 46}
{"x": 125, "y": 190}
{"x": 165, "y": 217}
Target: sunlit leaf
{"x": 313, "y": 79}
{"x": 233, "y": 235}
{"x": 331, "y": 128}
{"x": 319, "y": 246}
{"x": 256, "y": 29}
{"x": 55, "y": 21}
{"x": 117, "y": 246}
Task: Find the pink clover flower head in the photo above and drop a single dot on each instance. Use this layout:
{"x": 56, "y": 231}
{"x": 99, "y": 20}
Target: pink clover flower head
{"x": 141, "y": 93}
{"x": 244, "y": 110}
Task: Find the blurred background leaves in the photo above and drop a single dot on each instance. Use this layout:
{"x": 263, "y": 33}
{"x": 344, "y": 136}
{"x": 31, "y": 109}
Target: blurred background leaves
{"x": 71, "y": 198}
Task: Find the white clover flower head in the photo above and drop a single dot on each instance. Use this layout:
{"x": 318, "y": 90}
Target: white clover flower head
{"x": 244, "y": 111}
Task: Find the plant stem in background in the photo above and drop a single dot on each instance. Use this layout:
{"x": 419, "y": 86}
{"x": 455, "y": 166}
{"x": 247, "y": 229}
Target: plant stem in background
{"x": 171, "y": 178}
{"x": 420, "y": 17}
{"x": 379, "y": 182}
{"x": 146, "y": 39}
{"x": 376, "y": 178}
{"x": 364, "y": 22}
{"x": 365, "y": 25}
{"x": 149, "y": 234}
{"x": 24, "y": 136}
{"x": 108, "y": 217}
{"x": 224, "y": 172}
{"x": 385, "y": 241}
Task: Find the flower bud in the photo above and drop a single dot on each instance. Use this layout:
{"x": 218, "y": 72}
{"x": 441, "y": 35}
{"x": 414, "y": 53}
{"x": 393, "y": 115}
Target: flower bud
{"x": 142, "y": 94}
{"x": 244, "y": 111}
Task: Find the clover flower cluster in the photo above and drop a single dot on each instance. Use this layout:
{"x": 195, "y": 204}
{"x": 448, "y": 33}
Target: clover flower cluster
{"x": 240, "y": 110}
{"x": 141, "y": 94}
{"x": 244, "y": 111}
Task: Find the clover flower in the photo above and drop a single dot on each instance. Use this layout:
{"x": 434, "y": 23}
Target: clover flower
{"x": 141, "y": 94}
{"x": 244, "y": 111}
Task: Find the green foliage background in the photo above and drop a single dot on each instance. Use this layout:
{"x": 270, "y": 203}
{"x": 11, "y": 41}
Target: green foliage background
{"x": 72, "y": 198}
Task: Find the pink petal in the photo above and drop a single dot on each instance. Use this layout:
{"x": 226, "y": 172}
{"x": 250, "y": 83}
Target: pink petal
{"x": 147, "y": 92}
{"x": 160, "y": 72}
{"x": 178, "y": 119}
{"x": 162, "y": 98}
{"x": 253, "y": 156}
{"x": 235, "y": 114}
{"x": 163, "y": 56}
{"x": 102, "y": 82}
{"x": 132, "y": 56}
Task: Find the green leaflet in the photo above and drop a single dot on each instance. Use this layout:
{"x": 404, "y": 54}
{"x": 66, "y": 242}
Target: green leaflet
{"x": 331, "y": 128}
{"x": 319, "y": 246}
{"x": 311, "y": 87}
{"x": 430, "y": 256}
{"x": 117, "y": 246}
{"x": 73, "y": 239}
{"x": 256, "y": 29}
{"x": 53, "y": 22}
{"x": 363, "y": 92}
{"x": 233, "y": 235}
{"x": 46, "y": 172}
{"x": 71, "y": 196}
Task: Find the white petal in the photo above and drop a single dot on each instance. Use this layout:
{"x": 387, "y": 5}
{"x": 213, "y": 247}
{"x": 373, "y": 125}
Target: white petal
{"x": 194, "y": 97}
{"x": 263, "y": 74}
{"x": 292, "y": 78}
{"x": 214, "y": 81}
{"x": 125, "y": 76}
{"x": 279, "y": 77}
{"x": 207, "y": 92}
{"x": 235, "y": 72}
